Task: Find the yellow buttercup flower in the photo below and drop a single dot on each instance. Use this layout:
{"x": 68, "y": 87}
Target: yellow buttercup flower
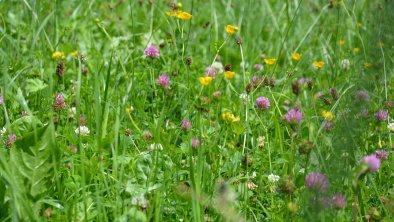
{"x": 58, "y": 55}
{"x": 184, "y": 15}
{"x": 179, "y": 14}
{"x": 367, "y": 65}
{"x": 129, "y": 109}
{"x": 296, "y": 56}
{"x": 231, "y": 29}
{"x": 269, "y": 61}
{"x": 229, "y": 74}
{"x": 356, "y": 50}
{"x": 228, "y": 116}
{"x": 328, "y": 115}
{"x": 318, "y": 64}
{"x": 341, "y": 42}
{"x": 205, "y": 80}
{"x": 236, "y": 119}
{"x": 74, "y": 54}
{"x": 171, "y": 13}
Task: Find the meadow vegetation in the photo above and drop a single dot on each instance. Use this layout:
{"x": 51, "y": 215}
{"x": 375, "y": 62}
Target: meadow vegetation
{"x": 197, "y": 110}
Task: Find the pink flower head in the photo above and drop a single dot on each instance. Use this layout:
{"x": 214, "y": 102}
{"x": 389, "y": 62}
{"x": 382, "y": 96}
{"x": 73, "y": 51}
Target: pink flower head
{"x": 364, "y": 113}
{"x": 152, "y": 52}
{"x": 258, "y": 67}
{"x": 195, "y": 142}
{"x": 10, "y": 140}
{"x": 303, "y": 80}
{"x": 262, "y": 103}
{"x": 388, "y": 104}
{"x": 59, "y": 103}
{"x": 317, "y": 182}
{"x": 163, "y": 81}
{"x": 186, "y": 125}
{"x": 381, "y": 115}
{"x": 255, "y": 80}
{"x": 339, "y": 201}
{"x": 372, "y": 162}
{"x": 328, "y": 125}
{"x": 381, "y": 154}
{"x": 210, "y": 71}
{"x": 362, "y": 95}
{"x": 217, "y": 94}
{"x": 293, "y": 116}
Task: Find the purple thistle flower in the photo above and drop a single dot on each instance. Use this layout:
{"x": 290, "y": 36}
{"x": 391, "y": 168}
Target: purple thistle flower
{"x": 372, "y": 162}
{"x": 262, "y": 103}
{"x": 210, "y": 71}
{"x": 10, "y": 140}
{"x": 381, "y": 115}
{"x": 195, "y": 142}
{"x": 381, "y": 154}
{"x": 258, "y": 67}
{"x": 293, "y": 116}
{"x": 186, "y": 125}
{"x": 339, "y": 201}
{"x": 317, "y": 182}
{"x": 59, "y": 103}
{"x": 362, "y": 95}
{"x": 152, "y": 52}
{"x": 163, "y": 81}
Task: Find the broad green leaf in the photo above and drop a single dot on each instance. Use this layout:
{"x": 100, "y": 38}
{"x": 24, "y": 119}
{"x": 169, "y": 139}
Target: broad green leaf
{"x": 35, "y": 85}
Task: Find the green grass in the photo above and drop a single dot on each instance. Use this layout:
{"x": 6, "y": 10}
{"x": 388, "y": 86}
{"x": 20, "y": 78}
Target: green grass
{"x": 138, "y": 164}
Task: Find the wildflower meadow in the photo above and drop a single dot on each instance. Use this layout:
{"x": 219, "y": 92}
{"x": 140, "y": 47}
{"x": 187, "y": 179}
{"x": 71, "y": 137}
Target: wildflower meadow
{"x": 196, "y": 110}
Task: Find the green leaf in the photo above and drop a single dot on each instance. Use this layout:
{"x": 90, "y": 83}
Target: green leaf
{"x": 31, "y": 164}
{"x": 25, "y": 125}
{"x": 35, "y": 85}
{"x": 238, "y": 128}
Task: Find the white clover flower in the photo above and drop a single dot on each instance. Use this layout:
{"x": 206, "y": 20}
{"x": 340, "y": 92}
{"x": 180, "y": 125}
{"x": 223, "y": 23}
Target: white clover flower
{"x": 244, "y": 97}
{"x": 242, "y": 64}
{"x": 261, "y": 141}
{"x": 140, "y": 201}
{"x": 254, "y": 174}
{"x": 82, "y": 130}
{"x": 72, "y": 112}
{"x": 155, "y": 146}
{"x": 272, "y": 178}
{"x": 251, "y": 185}
{"x": 345, "y": 64}
{"x": 390, "y": 126}
{"x": 3, "y": 131}
{"x": 218, "y": 66}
